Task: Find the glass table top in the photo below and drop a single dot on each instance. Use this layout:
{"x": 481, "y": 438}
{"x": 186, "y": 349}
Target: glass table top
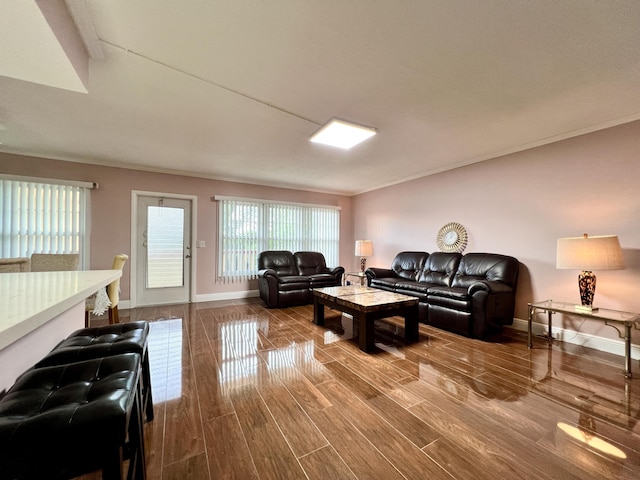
{"x": 600, "y": 313}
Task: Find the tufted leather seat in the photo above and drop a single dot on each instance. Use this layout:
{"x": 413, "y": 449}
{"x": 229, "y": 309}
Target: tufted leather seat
{"x": 67, "y": 420}
{"x": 107, "y": 340}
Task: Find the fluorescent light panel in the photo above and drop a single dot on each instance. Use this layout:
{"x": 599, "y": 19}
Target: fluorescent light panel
{"x": 341, "y": 134}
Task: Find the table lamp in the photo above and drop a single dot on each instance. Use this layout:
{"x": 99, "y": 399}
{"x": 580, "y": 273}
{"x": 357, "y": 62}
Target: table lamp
{"x": 364, "y": 249}
{"x": 587, "y": 254}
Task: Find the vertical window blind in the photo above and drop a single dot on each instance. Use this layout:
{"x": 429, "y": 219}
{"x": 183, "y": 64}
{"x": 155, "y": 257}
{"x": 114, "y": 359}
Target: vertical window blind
{"x": 248, "y": 227}
{"x": 39, "y": 217}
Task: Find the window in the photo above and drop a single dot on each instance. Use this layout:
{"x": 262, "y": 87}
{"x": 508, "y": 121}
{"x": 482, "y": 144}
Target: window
{"x": 248, "y": 227}
{"x": 41, "y": 217}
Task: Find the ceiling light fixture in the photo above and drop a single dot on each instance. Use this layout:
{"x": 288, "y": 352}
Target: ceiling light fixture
{"x": 342, "y": 134}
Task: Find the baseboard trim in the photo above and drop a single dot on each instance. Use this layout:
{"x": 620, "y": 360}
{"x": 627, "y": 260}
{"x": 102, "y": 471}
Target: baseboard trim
{"x": 207, "y": 297}
{"x": 213, "y": 297}
{"x": 608, "y": 345}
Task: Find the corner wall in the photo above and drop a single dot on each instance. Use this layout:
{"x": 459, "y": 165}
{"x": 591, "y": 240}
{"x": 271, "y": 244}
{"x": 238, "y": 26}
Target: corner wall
{"x": 519, "y": 205}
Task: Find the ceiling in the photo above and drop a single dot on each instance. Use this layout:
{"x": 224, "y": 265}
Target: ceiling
{"x": 233, "y": 89}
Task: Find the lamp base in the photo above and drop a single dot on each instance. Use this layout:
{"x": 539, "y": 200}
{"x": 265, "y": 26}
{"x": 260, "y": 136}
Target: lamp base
{"x": 586, "y": 309}
{"x": 363, "y": 263}
{"x": 587, "y": 285}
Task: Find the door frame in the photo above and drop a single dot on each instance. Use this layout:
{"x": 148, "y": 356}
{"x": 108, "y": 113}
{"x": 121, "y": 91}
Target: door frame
{"x": 133, "y": 279}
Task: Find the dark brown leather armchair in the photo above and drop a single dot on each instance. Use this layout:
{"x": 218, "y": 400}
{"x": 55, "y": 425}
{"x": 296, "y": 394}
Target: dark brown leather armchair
{"x": 286, "y": 279}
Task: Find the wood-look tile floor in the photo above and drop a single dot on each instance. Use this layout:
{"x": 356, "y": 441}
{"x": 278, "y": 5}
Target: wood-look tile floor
{"x": 246, "y": 392}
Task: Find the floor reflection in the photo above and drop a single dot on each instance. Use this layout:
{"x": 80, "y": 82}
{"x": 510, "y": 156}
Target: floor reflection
{"x": 606, "y": 394}
{"x": 165, "y": 359}
{"x": 585, "y": 433}
{"x": 242, "y": 357}
{"x": 224, "y": 373}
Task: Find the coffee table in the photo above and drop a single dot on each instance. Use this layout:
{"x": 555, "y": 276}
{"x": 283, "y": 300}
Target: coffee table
{"x": 366, "y": 305}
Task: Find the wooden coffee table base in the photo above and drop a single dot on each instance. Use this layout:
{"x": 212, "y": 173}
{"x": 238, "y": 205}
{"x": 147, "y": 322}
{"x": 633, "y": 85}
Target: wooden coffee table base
{"x": 366, "y": 305}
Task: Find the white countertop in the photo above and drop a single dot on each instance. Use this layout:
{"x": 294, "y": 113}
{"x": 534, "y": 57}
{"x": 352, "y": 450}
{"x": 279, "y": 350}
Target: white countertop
{"x": 29, "y": 300}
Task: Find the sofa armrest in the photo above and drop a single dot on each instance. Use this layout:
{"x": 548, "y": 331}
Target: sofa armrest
{"x": 267, "y": 272}
{"x": 489, "y": 287}
{"x": 268, "y": 286}
{"x": 336, "y": 271}
{"x": 375, "y": 272}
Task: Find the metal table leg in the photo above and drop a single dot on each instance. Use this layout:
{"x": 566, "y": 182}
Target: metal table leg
{"x": 627, "y": 350}
{"x": 529, "y": 342}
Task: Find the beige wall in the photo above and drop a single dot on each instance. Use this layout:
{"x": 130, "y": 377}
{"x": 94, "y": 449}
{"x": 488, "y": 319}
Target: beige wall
{"x": 111, "y": 211}
{"x": 519, "y": 205}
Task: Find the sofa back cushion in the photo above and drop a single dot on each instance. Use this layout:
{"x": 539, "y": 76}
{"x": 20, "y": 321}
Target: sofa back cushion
{"x": 440, "y": 268}
{"x": 409, "y": 264}
{"x": 310, "y": 263}
{"x": 281, "y": 261}
{"x": 486, "y": 266}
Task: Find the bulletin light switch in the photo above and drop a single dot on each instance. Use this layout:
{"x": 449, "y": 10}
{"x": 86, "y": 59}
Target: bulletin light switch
{"x": 199, "y": 243}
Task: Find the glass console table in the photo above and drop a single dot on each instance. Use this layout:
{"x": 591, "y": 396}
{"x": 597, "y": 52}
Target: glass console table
{"x": 613, "y": 318}
{"x": 361, "y": 277}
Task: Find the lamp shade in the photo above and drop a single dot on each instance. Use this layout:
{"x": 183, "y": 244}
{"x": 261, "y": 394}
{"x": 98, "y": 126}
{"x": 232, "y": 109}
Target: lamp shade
{"x": 590, "y": 253}
{"x": 364, "y": 248}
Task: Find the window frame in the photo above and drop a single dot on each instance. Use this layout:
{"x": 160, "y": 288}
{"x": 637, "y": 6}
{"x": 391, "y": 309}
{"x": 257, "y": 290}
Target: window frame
{"x": 260, "y": 233}
{"x": 31, "y": 232}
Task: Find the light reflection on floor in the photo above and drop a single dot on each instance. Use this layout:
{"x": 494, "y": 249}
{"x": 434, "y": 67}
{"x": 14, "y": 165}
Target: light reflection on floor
{"x": 165, "y": 359}
{"x": 241, "y": 361}
{"x": 242, "y": 356}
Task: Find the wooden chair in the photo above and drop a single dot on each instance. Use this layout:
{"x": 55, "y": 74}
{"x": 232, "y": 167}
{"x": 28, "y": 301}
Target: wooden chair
{"x": 113, "y": 292}
{"x": 54, "y": 262}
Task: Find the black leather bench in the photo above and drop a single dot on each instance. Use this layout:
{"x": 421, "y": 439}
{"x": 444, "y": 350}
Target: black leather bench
{"x": 67, "y": 420}
{"x": 104, "y": 341}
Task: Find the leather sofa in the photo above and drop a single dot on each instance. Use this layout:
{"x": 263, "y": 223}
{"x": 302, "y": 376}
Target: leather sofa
{"x": 467, "y": 294}
{"x": 286, "y": 279}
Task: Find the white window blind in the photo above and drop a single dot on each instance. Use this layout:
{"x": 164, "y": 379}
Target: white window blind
{"x": 248, "y": 227}
{"x": 39, "y": 217}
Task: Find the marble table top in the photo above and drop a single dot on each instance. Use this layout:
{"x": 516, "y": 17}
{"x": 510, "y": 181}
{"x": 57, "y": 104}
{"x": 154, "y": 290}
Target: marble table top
{"x": 364, "y": 296}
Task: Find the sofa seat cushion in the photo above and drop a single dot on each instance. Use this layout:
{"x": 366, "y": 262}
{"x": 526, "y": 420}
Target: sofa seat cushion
{"x": 384, "y": 283}
{"x": 450, "y": 297}
{"x": 322, "y": 280}
{"x": 403, "y": 286}
{"x": 422, "y": 297}
{"x": 293, "y": 282}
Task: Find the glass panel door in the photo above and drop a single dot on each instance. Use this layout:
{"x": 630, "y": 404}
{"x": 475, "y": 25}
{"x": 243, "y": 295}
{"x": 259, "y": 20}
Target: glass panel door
{"x": 165, "y": 237}
{"x": 163, "y": 269}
